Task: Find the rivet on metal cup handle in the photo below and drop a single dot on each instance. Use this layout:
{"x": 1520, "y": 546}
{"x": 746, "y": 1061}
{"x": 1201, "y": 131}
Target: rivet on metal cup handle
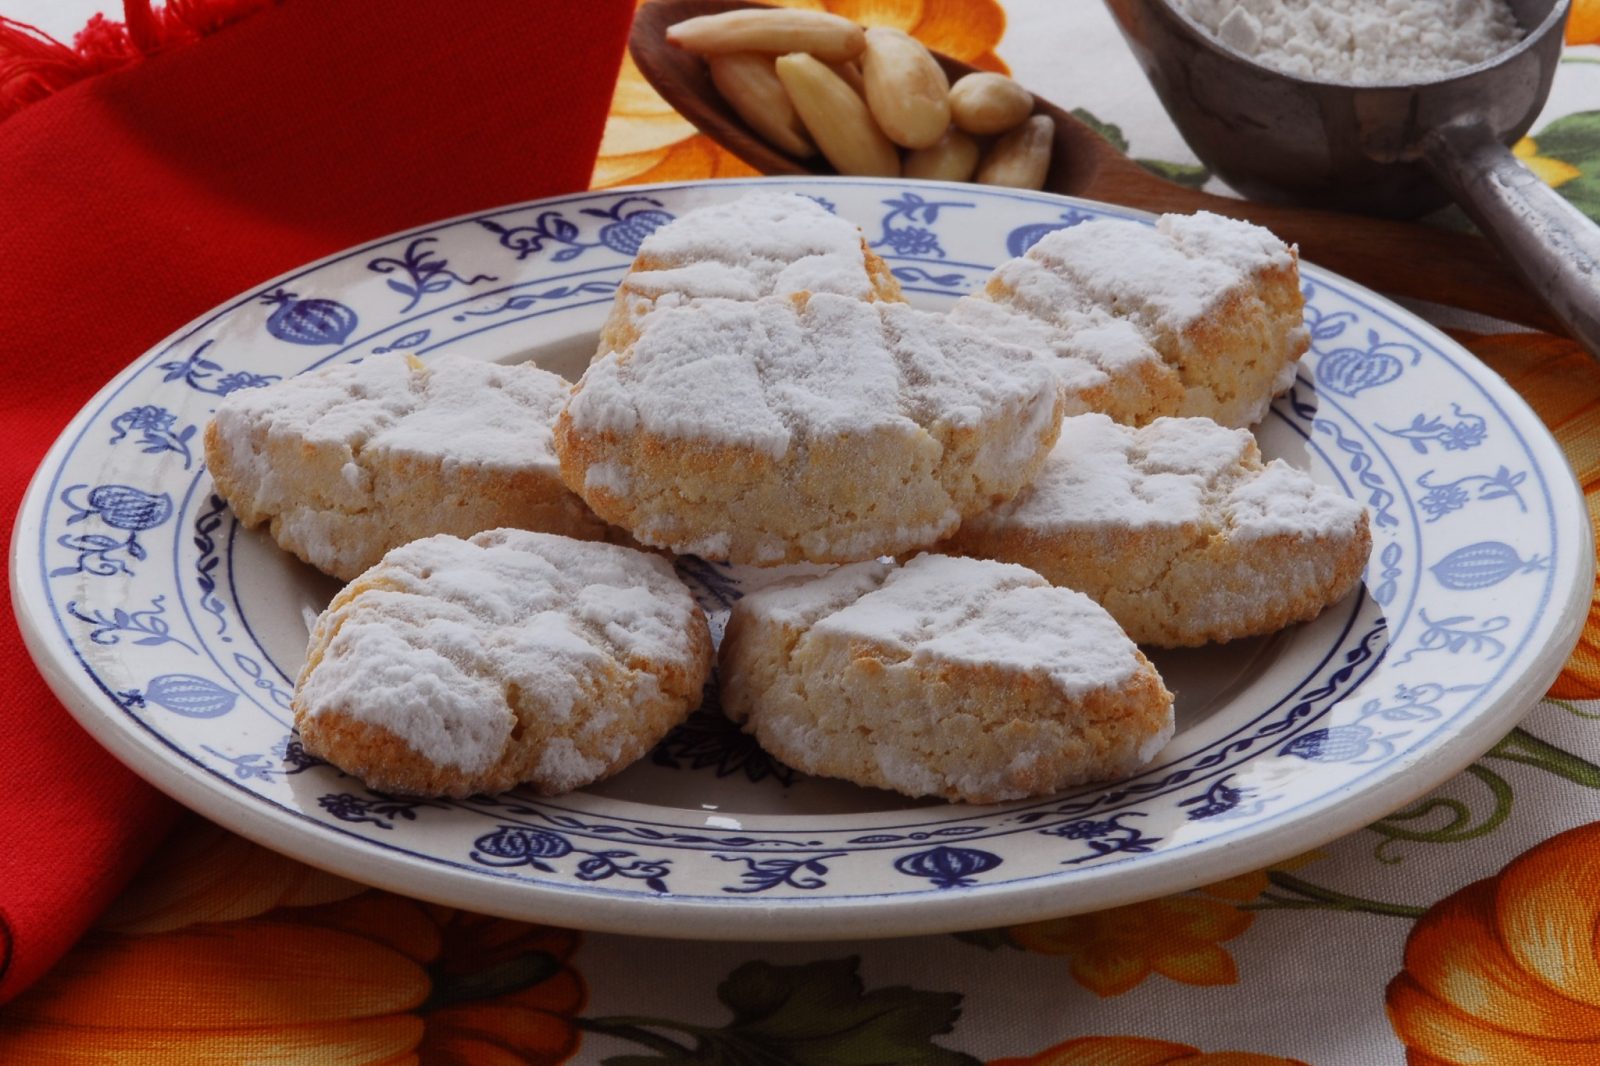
{"x": 1553, "y": 245}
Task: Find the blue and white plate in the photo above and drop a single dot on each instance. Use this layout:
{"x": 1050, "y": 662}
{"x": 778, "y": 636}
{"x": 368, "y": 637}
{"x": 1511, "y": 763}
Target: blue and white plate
{"x": 174, "y": 636}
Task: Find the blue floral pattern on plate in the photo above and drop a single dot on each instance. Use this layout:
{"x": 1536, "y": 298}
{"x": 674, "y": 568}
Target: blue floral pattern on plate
{"x": 179, "y": 634}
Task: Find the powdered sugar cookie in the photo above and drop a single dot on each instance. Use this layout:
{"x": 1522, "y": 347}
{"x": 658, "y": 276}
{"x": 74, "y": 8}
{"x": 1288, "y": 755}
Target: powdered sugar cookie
{"x": 462, "y": 666}
{"x": 818, "y": 428}
{"x": 1179, "y": 530}
{"x": 343, "y": 464}
{"x": 962, "y": 678}
{"x": 1216, "y": 300}
{"x": 1103, "y": 362}
{"x": 763, "y": 244}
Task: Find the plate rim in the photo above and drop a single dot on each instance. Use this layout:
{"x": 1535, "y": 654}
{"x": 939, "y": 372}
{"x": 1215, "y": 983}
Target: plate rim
{"x": 797, "y": 918}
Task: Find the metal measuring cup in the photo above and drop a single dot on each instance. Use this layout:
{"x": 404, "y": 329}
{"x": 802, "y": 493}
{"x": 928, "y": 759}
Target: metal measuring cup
{"x": 1393, "y": 150}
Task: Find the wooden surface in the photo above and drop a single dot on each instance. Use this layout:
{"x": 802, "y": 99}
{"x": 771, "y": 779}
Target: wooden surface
{"x": 1396, "y": 258}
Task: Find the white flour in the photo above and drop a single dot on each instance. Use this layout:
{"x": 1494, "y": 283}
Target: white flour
{"x": 1360, "y": 42}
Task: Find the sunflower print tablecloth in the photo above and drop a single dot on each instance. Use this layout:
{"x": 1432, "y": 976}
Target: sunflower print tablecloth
{"x": 1462, "y": 929}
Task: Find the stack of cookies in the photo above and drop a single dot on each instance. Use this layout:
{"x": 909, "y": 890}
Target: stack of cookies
{"x": 1017, "y": 494}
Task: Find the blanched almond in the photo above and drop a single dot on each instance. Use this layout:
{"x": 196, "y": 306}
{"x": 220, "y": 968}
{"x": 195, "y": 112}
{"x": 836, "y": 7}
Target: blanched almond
{"x": 952, "y": 157}
{"x": 836, "y": 118}
{"x": 1020, "y": 159}
{"x": 747, "y": 81}
{"x": 984, "y": 102}
{"x": 907, "y": 90}
{"x": 850, "y": 71}
{"x": 770, "y": 30}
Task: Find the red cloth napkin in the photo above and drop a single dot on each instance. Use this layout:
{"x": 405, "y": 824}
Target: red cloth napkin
{"x": 135, "y": 201}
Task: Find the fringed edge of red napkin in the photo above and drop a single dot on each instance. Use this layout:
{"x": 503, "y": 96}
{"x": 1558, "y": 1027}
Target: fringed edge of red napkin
{"x": 157, "y": 186}
{"x": 33, "y": 64}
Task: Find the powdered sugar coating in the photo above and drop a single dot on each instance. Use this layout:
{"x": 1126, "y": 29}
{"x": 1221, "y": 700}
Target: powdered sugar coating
{"x": 349, "y": 461}
{"x": 831, "y": 429}
{"x": 779, "y": 242}
{"x": 1103, "y": 362}
{"x": 946, "y": 608}
{"x": 463, "y": 411}
{"x": 1179, "y": 530}
{"x": 1173, "y": 472}
{"x": 1229, "y": 243}
{"x": 1360, "y": 42}
{"x": 512, "y": 656}
{"x": 1198, "y": 315}
{"x": 1284, "y": 501}
{"x": 1169, "y": 473}
{"x": 744, "y": 373}
{"x": 1126, "y": 268}
{"x": 769, "y": 373}
{"x": 960, "y": 678}
{"x": 762, "y": 244}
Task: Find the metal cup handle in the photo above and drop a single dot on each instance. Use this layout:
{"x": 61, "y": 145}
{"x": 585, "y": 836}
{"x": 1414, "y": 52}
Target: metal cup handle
{"x": 1553, "y": 245}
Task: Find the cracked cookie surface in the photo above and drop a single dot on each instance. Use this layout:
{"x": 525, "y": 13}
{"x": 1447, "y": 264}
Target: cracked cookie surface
{"x": 961, "y": 678}
{"x": 345, "y": 463}
{"x": 1198, "y": 315}
{"x": 456, "y": 667}
{"x": 763, "y": 244}
{"x": 813, "y": 428}
{"x": 1179, "y": 530}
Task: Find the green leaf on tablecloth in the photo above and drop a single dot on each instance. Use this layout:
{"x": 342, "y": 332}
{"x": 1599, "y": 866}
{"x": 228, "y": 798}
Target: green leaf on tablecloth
{"x": 1304, "y": 895}
{"x": 1523, "y": 747}
{"x": 987, "y": 939}
{"x": 820, "y": 1013}
{"x": 1437, "y": 819}
{"x": 1575, "y": 141}
{"x": 815, "y": 1014}
{"x": 1584, "y": 194}
{"x": 1191, "y": 174}
{"x": 1572, "y": 709}
{"x": 1572, "y": 139}
{"x": 1109, "y": 131}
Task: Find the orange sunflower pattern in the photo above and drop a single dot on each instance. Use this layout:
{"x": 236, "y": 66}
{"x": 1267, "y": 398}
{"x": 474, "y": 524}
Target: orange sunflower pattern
{"x": 1111, "y": 952}
{"x": 1507, "y": 970}
{"x": 646, "y": 140}
{"x": 1179, "y": 937}
{"x": 1583, "y": 25}
{"x": 226, "y": 952}
{"x": 1138, "y": 1051}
